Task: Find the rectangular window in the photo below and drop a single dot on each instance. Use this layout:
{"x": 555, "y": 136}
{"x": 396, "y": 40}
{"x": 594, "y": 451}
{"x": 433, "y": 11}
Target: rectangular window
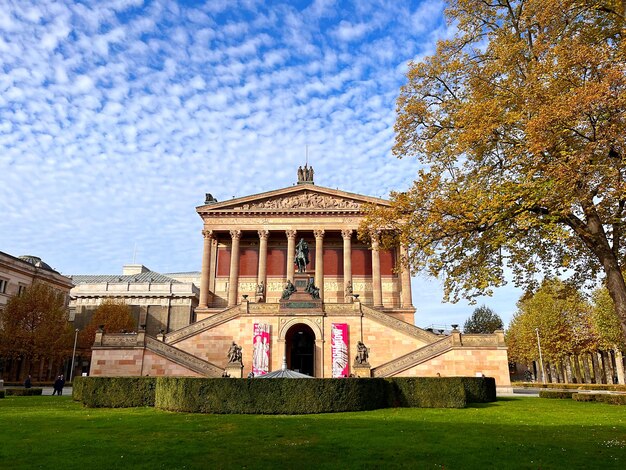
{"x": 20, "y": 289}
{"x": 3, "y": 286}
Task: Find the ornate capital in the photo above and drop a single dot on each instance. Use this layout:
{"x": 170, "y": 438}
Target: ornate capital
{"x": 208, "y": 234}
{"x": 346, "y": 233}
{"x": 291, "y": 234}
{"x": 235, "y": 234}
{"x": 318, "y": 233}
{"x": 263, "y": 234}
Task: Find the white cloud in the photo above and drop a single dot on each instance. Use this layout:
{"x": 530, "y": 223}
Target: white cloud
{"x": 125, "y": 113}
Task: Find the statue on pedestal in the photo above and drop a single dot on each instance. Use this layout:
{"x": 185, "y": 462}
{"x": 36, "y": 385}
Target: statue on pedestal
{"x": 289, "y": 289}
{"x": 311, "y": 289}
{"x": 260, "y": 292}
{"x": 302, "y": 255}
{"x": 234, "y": 354}
{"x": 362, "y": 353}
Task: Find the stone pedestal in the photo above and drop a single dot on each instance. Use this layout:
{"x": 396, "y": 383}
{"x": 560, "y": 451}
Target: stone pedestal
{"x": 362, "y": 370}
{"x": 301, "y": 300}
{"x": 234, "y": 370}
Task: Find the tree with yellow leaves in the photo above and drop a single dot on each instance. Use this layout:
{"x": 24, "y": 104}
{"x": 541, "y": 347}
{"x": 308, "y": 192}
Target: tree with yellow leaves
{"x": 519, "y": 121}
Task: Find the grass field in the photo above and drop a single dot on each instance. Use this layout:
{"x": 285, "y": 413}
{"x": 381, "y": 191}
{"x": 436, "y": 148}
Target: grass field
{"x": 55, "y": 432}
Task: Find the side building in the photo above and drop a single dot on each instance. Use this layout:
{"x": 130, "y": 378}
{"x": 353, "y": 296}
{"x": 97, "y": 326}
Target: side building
{"x": 158, "y": 302}
{"x": 16, "y": 275}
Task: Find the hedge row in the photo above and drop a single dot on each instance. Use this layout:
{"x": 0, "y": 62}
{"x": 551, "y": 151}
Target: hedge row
{"x": 281, "y": 396}
{"x": 114, "y": 392}
{"x": 23, "y": 392}
{"x": 609, "y": 387}
{"x": 556, "y": 394}
{"x": 1, "y": 393}
{"x": 610, "y": 398}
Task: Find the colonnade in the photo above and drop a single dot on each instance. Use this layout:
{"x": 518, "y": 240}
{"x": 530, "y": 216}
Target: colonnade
{"x": 209, "y": 252}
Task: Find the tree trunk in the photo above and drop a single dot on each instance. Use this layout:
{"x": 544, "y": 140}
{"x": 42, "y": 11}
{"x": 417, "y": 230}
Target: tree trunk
{"x": 619, "y": 365}
{"x": 585, "y": 360}
{"x": 597, "y": 376}
{"x": 576, "y": 364}
{"x": 568, "y": 370}
{"x": 601, "y": 367}
{"x": 610, "y": 370}
{"x": 617, "y": 290}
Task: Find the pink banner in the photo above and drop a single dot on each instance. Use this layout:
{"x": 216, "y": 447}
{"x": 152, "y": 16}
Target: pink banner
{"x": 261, "y": 349}
{"x": 339, "y": 349}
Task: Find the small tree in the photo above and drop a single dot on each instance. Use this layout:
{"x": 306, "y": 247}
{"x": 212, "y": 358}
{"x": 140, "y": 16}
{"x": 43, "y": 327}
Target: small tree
{"x": 116, "y": 317}
{"x": 483, "y": 320}
{"x": 34, "y": 326}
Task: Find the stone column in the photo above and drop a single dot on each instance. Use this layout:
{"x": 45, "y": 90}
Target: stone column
{"x": 377, "y": 286}
{"x": 291, "y": 252}
{"x": 405, "y": 279}
{"x": 262, "y": 276}
{"x": 233, "y": 282}
{"x": 319, "y": 261}
{"x": 213, "y": 265}
{"x": 206, "y": 267}
{"x": 347, "y": 261}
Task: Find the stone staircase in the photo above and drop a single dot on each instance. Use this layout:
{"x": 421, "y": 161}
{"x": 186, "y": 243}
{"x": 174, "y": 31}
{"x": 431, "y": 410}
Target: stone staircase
{"x": 202, "y": 325}
{"x": 399, "y": 325}
{"x": 414, "y": 358}
{"x": 183, "y": 358}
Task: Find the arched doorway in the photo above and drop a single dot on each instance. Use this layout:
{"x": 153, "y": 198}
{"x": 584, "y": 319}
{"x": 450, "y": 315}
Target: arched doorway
{"x": 300, "y": 349}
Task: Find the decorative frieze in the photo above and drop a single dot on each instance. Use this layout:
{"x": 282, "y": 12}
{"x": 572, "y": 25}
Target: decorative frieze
{"x": 305, "y": 200}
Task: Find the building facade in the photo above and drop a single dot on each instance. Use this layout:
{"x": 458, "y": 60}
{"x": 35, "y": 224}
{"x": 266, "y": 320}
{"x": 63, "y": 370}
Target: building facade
{"x": 16, "y": 275}
{"x": 348, "y": 311}
{"x": 161, "y": 302}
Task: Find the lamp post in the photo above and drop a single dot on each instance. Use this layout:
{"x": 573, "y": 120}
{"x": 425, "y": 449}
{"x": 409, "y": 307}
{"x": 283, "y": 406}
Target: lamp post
{"x": 74, "y": 353}
{"x": 543, "y": 372}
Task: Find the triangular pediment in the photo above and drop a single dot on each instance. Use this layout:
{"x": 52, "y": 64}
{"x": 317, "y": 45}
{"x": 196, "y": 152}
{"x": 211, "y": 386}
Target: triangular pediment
{"x": 305, "y": 197}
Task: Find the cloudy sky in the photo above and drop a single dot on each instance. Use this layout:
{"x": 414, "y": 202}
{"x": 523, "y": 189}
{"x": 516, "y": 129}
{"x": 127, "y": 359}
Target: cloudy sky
{"x": 117, "y": 116}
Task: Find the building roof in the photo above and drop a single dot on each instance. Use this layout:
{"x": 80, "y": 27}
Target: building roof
{"x": 36, "y": 261}
{"x": 148, "y": 276}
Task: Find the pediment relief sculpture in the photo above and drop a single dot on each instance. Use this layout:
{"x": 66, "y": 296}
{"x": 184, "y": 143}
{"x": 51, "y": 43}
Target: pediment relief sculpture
{"x": 305, "y": 200}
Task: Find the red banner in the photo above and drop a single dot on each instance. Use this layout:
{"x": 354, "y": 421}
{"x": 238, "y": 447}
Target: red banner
{"x": 261, "y": 349}
{"x": 339, "y": 349}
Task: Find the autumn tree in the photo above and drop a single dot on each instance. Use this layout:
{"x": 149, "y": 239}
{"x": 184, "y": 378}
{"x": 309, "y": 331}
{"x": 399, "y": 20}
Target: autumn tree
{"x": 562, "y": 318}
{"x": 605, "y": 321}
{"x": 115, "y": 315}
{"x": 483, "y": 320}
{"x": 519, "y": 123}
{"x": 34, "y": 326}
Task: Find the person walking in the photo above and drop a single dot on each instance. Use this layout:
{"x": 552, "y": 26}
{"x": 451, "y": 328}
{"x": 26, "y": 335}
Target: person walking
{"x": 57, "y": 386}
{"x": 27, "y": 382}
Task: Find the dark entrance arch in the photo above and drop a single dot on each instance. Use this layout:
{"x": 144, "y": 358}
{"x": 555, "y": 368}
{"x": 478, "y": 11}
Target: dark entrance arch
{"x": 300, "y": 349}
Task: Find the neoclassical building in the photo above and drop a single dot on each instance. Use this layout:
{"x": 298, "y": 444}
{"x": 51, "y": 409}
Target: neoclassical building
{"x": 347, "y": 311}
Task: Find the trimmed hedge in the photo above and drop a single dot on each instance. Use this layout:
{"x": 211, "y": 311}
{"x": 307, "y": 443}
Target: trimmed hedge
{"x": 609, "y": 387}
{"x": 23, "y": 392}
{"x": 274, "y": 396}
{"x": 282, "y": 396}
{"x": 1, "y": 393}
{"x": 610, "y": 398}
{"x": 114, "y": 392}
{"x": 556, "y": 394}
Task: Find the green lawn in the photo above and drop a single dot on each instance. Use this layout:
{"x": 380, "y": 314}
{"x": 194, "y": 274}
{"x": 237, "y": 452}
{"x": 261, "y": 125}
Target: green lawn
{"x": 55, "y": 432}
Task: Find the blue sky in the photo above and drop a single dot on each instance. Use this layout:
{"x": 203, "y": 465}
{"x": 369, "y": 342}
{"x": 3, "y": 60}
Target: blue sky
{"x": 117, "y": 117}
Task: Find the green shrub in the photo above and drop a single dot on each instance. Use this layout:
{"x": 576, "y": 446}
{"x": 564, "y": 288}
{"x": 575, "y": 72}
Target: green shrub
{"x": 1, "y": 393}
{"x": 282, "y": 396}
{"x": 23, "y": 392}
{"x": 273, "y": 396}
{"x": 114, "y": 392}
{"x": 556, "y": 394}
{"x": 479, "y": 389}
{"x": 610, "y": 398}
{"x": 608, "y": 387}
{"x": 427, "y": 392}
